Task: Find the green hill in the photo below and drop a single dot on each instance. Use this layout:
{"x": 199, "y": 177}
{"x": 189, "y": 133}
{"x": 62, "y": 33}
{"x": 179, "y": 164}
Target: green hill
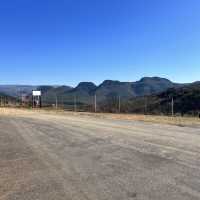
{"x": 186, "y": 101}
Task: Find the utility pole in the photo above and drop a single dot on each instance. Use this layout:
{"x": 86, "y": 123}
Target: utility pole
{"x": 75, "y": 107}
{"x": 95, "y": 103}
{"x": 119, "y": 104}
{"x": 172, "y": 104}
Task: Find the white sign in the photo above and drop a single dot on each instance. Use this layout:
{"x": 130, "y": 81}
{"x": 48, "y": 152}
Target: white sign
{"x": 36, "y": 93}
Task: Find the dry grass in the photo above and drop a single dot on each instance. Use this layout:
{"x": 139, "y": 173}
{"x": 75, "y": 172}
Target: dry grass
{"x": 180, "y": 121}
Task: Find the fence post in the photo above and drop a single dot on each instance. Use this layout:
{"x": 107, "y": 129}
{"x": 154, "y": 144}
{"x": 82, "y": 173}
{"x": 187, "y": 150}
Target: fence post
{"x": 145, "y": 106}
{"x": 56, "y": 101}
{"x": 119, "y": 104}
{"x": 95, "y": 103}
{"x": 172, "y": 104}
{"x": 75, "y": 107}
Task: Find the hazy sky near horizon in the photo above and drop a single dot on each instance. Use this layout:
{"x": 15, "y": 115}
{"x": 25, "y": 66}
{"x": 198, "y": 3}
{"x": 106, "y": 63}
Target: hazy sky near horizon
{"x": 68, "y": 41}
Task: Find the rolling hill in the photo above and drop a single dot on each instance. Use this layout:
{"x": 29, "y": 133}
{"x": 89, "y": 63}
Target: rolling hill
{"x": 16, "y": 90}
{"x": 186, "y": 101}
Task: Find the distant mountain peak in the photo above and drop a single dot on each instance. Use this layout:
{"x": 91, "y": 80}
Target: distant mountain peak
{"x": 110, "y": 82}
{"x": 85, "y": 83}
{"x": 154, "y": 78}
{"x": 86, "y": 86}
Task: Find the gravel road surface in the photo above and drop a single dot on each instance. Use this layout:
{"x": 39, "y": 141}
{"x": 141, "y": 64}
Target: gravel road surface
{"x": 74, "y": 157}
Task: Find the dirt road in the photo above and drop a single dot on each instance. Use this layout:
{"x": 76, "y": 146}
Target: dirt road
{"x": 74, "y": 157}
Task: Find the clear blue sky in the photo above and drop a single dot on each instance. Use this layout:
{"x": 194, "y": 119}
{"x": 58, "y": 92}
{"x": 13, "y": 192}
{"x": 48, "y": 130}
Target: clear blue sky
{"x": 68, "y": 41}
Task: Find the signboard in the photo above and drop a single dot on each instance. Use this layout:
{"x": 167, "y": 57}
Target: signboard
{"x": 36, "y": 93}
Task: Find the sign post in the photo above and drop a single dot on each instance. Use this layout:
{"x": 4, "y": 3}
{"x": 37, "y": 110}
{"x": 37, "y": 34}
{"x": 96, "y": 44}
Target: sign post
{"x": 36, "y": 99}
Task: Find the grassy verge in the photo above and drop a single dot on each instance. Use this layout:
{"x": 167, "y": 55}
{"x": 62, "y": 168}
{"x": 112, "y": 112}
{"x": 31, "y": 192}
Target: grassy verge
{"x": 179, "y": 121}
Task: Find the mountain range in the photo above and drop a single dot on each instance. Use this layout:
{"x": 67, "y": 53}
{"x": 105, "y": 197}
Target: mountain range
{"x": 149, "y": 94}
{"x": 16, "y": 90}
{"x": 85, "y": 91}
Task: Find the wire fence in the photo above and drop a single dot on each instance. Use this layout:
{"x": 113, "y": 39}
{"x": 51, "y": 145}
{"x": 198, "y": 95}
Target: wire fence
{"x": 113, "y": 104}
